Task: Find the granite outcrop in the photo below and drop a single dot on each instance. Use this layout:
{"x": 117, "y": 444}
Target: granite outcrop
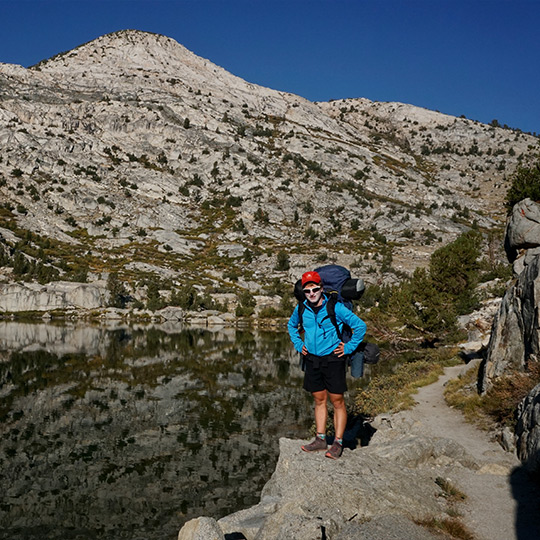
{"x": 515, "y": 336}
{"x": 59, "y": 295}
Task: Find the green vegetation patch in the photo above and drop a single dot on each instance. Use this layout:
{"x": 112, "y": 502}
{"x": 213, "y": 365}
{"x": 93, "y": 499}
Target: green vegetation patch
{"x": 43, "y": 258}
{"x": 525, "y": 183}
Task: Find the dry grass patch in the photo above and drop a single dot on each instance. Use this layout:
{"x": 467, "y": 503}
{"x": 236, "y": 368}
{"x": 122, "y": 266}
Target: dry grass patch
{"x": 393, "y": 392}
{"x": 502, "y": 400}
{"x": 499, "y": 404}
{"x": 462, "y": 393}
{"x": 448, "y": 526}
{"x": 449, "y": 491}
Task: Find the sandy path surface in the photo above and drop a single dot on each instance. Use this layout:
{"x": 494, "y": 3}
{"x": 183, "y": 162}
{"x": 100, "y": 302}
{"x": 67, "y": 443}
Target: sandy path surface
{"x": 502, "y": 503}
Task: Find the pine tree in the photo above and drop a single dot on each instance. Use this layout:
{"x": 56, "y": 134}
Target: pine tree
{"x": 117, "y": 291}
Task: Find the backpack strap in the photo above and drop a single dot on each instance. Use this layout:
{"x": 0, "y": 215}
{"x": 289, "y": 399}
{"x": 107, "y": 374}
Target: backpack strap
{"x": 331, "y": 302}
{"x": 301, "y": 309}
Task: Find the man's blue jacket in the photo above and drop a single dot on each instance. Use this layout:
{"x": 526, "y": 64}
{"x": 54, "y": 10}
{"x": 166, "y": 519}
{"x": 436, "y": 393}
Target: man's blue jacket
{"x": 320, "y": 336}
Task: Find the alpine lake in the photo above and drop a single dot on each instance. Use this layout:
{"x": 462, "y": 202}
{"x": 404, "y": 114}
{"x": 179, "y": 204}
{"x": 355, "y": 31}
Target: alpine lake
{"x": 126, "y": 432}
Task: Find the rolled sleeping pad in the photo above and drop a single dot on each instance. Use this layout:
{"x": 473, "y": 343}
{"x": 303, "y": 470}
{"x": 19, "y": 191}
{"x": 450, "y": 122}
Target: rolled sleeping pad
{"x": 357, "y": 364}
{"x": 353, "y": 289}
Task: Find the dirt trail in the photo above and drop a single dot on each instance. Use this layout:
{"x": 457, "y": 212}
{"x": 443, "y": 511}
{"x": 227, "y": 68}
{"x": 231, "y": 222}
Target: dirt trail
{"x": 502, "y": 503}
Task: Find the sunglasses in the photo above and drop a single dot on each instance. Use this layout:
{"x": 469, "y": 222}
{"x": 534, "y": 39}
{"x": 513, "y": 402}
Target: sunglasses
{"x": 314, "y": 290}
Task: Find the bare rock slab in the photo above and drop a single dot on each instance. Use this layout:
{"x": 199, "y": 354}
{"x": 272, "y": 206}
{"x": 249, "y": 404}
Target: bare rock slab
{"x": 387, "y": 528}
{"x": 309, "y": 493}
{"x": 57, "y": 295}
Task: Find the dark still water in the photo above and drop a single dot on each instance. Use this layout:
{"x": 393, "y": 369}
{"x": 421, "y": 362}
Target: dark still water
{"x": 129, "y": 432}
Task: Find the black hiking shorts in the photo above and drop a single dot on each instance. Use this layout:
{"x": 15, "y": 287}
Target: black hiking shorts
{"x": 325, "y": 373}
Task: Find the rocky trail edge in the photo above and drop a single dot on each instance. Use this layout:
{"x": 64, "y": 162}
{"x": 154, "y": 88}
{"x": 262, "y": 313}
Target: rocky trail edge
{"x": 502, "y": 501}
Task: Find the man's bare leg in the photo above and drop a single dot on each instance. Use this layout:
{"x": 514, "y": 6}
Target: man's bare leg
{"x": 321, "y": 411}
{"x": 340, "y": 414}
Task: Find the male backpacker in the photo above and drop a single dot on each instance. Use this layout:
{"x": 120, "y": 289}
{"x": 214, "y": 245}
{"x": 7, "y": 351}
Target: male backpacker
{"x": 340, "y": 287}
{"x": 325, "y": 353}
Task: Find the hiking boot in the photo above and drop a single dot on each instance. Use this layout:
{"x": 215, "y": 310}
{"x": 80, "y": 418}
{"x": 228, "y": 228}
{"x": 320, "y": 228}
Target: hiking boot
{"x": 318, "y": 445}
{"x": 335, "y": 451}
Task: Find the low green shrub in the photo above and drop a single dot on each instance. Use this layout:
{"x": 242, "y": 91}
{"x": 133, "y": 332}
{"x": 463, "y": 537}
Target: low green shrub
{"x": 525, "y": 183}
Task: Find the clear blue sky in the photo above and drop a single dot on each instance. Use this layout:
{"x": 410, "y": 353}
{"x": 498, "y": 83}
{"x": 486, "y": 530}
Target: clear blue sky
{"x": 478, "y": 58}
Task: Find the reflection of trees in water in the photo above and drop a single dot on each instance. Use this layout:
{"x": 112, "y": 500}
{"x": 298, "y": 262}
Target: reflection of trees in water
{"x": 161, "y": 427}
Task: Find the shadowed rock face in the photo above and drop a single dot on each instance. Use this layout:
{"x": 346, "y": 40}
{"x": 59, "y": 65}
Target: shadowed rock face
{"x": 528, "y": 431}
{"x": 515, "y": 334}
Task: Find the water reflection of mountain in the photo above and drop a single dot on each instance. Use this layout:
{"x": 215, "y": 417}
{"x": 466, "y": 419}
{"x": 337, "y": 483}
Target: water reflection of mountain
{"x": 111, "y": 433}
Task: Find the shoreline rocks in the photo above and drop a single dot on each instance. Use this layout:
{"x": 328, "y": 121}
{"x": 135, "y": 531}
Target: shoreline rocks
{"x": 66, "y": 300}
{"x": 58, "y": 295}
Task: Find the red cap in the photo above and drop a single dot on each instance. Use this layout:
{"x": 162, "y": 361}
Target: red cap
{"x": 311, "y": 277}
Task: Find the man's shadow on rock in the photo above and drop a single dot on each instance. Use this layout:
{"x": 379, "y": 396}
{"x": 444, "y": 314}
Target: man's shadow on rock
{"x": 526, "y": 492}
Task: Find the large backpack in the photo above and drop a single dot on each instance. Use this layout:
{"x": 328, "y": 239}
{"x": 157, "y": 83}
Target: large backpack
{"x": 339, "y": 286}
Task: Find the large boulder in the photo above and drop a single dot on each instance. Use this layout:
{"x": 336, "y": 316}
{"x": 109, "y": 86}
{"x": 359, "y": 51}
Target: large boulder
{"x": 202, "y": 528}
{"x": 528, "y": 431}
{"x": 515, "y": 335}
{"x": 523, "y": 228}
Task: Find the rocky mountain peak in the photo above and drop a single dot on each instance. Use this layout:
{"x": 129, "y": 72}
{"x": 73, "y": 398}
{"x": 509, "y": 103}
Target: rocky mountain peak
{"x": 130, "y": 153}
{"x": 130, "y": 49}
{"x": 136, "y": 57}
